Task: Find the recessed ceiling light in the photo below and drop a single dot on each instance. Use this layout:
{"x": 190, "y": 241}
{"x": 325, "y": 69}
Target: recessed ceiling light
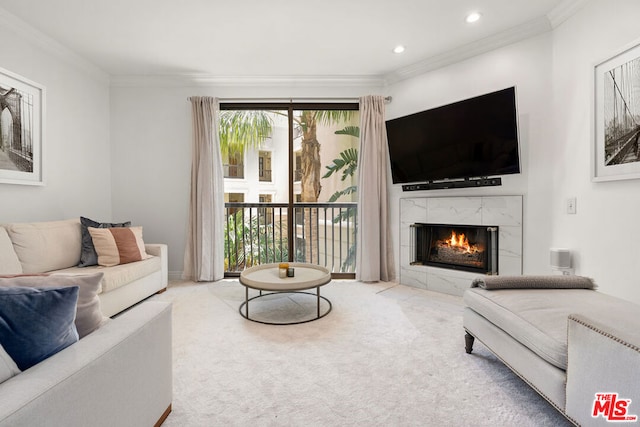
{"x": 398, "y": 49}
{"x": 473, "y": 17}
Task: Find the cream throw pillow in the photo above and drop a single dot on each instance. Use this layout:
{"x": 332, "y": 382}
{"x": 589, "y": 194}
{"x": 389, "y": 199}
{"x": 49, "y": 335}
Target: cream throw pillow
{"x": 46, "y": 246}
{"x": 118, "y": 245}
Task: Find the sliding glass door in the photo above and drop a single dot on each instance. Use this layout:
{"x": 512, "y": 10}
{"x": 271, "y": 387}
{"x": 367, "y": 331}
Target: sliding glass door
{"x": 296, "y": 200}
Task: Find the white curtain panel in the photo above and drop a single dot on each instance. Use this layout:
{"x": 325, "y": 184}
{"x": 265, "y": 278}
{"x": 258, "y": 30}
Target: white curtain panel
{"x": 374, "y": 254}
{"x": 204, "y": 252}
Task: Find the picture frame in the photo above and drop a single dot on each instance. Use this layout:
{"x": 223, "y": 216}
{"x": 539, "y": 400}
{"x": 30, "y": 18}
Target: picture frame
{"x": 616, "y": 118}
{"x": 22, "y": 106}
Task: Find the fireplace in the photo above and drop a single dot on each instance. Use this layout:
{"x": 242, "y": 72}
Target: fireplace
{"x": 458, "y": 247}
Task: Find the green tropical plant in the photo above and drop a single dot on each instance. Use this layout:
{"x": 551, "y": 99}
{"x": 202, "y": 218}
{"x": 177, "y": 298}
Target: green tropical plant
{"x": 250, "y": 242}
{"x": 347, "y": 162}
{"x": 349, "y": 130}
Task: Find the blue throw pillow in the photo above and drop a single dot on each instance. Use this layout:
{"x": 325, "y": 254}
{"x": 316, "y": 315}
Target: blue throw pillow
{"x": 36, "y": 323}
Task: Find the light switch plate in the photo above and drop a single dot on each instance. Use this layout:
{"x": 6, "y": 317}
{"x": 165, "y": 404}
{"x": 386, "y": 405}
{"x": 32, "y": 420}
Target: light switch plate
{"x": 571, "y": 205}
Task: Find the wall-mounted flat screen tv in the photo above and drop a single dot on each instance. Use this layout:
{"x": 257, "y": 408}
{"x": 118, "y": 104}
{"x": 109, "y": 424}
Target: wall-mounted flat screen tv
{"x": 473, "y": 138}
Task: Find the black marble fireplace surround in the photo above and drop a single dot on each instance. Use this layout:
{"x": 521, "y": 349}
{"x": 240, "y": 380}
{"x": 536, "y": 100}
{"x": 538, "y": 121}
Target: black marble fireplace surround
{"x": 470, "y": 248}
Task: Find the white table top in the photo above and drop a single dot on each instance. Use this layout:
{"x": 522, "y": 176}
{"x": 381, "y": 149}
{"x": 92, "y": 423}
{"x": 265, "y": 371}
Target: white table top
{"x": 266, "y": 277}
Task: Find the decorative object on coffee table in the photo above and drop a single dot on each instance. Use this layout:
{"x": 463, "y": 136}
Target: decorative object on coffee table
{"x": 266, "y": 277}
{"x": 283, "y": 268}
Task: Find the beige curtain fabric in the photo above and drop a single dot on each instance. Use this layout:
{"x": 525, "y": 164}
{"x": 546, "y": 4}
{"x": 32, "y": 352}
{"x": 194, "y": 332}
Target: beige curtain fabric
{"x": 204, "y": 252}
{"x": 374, "y": 254}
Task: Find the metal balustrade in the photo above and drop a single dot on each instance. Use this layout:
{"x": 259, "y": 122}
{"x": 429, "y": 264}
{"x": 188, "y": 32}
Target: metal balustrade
{"x": 233, "y": 171}
{"x": 258, "y": 233}
{"x": 264, "y": 175}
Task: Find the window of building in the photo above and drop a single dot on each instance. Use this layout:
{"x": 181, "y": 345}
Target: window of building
{"x": 230, "y": 199}
{"x": 266, "y": 214}
{"x": 233, "y": 165}
{"x": 264, "y": 166}
{"x": 234, "y": 197}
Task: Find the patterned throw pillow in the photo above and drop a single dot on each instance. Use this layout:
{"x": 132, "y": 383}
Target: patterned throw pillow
{"x": 37, "y": 323}
{"x": 88, "y": 254}
{"x": 118, "y": 245}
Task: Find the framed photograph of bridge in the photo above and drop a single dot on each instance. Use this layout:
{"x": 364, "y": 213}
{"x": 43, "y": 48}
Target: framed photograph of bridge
{"x": 616, "y": 127}
{"x": 22, "y": 105}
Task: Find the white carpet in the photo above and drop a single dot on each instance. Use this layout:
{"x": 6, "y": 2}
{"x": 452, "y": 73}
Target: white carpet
{"x": 386, "y": 355}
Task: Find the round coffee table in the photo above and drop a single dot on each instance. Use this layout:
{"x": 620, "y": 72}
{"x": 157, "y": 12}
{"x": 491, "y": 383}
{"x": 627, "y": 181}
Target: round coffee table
{"x": 266, "y": 277}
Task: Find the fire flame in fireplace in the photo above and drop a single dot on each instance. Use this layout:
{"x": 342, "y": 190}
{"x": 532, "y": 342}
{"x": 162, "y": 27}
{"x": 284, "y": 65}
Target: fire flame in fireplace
{"x": 460, "y": 241}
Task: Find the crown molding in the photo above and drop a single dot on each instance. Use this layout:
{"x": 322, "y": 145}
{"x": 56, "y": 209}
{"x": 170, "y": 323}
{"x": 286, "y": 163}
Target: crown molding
{"x": 205, "y": 80}
{"x": 521, "y": 32}
{"x": 50, "y": 46}
{"x": 564, "y": 11}
{"x": 554, "y": 18}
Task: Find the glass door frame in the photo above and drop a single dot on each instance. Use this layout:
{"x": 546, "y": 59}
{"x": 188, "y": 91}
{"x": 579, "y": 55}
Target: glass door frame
{"x": 290, "y": 107}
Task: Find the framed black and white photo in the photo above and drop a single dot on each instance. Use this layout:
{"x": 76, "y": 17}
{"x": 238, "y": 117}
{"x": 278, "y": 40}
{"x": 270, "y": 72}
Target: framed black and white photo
{"x": 21, "y": 130}
{"x": 616, "y": 150}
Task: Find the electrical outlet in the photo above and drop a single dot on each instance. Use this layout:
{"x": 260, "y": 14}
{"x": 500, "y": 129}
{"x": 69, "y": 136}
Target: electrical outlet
{"x": 571, "y": 205}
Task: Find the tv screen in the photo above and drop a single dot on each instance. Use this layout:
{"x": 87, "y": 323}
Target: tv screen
{"x": 474, "y": 138}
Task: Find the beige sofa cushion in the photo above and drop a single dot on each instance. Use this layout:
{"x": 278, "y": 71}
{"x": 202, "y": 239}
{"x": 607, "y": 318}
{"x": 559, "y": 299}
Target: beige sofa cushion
{"x": 46, "y": 246}
{"x": 119, "y": 275}
{"x": 9, "y": 262}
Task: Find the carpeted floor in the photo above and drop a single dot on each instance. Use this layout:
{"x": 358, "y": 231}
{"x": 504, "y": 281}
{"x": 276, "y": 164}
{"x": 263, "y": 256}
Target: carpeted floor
{"x": 386, "y": 355}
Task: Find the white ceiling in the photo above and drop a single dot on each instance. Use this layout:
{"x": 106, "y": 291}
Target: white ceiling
{"x": 278, "y": 38}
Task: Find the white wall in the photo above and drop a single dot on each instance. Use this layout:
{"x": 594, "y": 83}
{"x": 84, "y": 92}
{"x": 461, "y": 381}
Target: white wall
{"x": 552, "y": 73}
{"x": 76, "y": 138}
{"x": 151, "y": 152}
{"x": 607, "y": 212}
{"x": 526, "y": 65}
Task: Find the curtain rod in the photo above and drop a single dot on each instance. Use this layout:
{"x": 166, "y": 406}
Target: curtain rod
{"x": 387, "y": 99}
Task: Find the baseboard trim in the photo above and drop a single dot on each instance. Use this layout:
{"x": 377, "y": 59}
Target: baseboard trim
{"x": 175, "y": 275}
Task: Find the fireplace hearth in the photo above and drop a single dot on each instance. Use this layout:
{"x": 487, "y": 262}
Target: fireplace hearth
{"x": 458, "y": 247}
{"x": 503, "y": 212}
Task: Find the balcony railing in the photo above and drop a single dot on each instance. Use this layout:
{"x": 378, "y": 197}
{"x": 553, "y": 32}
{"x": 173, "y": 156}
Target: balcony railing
{"x": 257, "y": 233}
{"x": 233, "y": 171}
{"x": 264, "y": 175}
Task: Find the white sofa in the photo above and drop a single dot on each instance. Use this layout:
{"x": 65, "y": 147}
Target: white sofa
{"x": 568, "y": 341}
{"x": 55, "y": 247}
{"x": 119, "y": 375}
